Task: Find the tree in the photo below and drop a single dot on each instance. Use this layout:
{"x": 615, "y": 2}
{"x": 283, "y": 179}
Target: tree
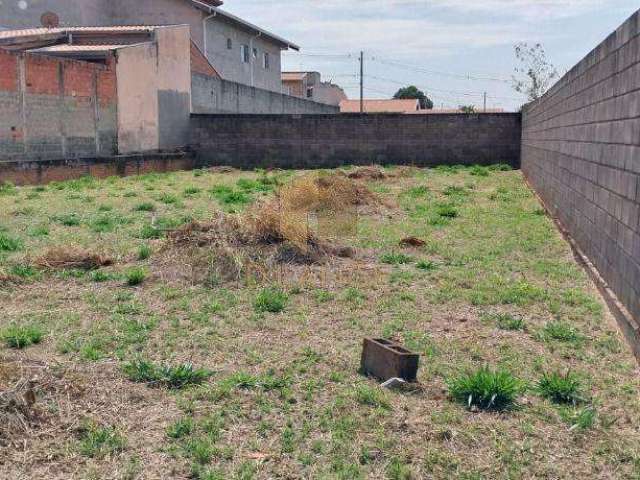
{"x": 414, "y": 92}
{"x": 535, "y": 73}
{"x": 468, "y": 108}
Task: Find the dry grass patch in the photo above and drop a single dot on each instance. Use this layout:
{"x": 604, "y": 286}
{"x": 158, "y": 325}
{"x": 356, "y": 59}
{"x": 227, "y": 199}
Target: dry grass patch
{"x": 59, "y": 258}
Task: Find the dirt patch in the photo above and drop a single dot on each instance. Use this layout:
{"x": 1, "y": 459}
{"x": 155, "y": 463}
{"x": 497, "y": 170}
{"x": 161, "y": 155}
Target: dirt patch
{"x": 368, "y": 173}
{"x": 412, "y": 242}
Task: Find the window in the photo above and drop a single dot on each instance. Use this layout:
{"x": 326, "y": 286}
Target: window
{"x": 244, "y": 53}
{"x": 265, "y": 61}
{"x": 310, "y": 92}
{"x": 255, "y": 53}
{"x": 229, "y": 44}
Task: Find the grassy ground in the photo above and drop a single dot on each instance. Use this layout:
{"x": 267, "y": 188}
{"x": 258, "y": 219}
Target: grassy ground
{"x": 140, "y": 374}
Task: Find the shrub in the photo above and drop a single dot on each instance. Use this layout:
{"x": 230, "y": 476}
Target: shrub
{"x": 479, "y": 171}
{"x": 560, "y": 388}
{"x": 9, "y": 244}
{"x": 145, "y": 207}
{"x": 97, "y": 441}
{"x": 395, "y": 258}
{"x": 144, "y": 252}
{"x": 486, "y": 389}
{"x": 561, "y": 331}
{"x": 271, "y": 299}
{"x": 172, "y": 377}
{"x": 135, "y": 276}
{"x": 16, "y": 336}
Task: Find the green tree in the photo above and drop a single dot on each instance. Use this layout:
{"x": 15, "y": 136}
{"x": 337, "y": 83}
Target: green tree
{"x": 414, "y": 92}
{"x": 534, "y": 74}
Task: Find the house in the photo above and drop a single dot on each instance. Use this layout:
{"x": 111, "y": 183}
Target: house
{"x": 381, "y": 106}
{"x": 310, "y": 85}
{"x": 240, "y": 51}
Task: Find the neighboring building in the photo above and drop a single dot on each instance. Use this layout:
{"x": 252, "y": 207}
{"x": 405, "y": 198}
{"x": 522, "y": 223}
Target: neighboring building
{"x": 381, "y": 106}
{"x": 95, "y": 91}
{"x": 309, "y": 85}
{"x": 441, "y": 111}
{"x": 239, "y": 51}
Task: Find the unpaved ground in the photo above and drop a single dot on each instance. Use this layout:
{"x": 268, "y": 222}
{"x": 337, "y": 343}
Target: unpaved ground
{"x": 284, "y": 399}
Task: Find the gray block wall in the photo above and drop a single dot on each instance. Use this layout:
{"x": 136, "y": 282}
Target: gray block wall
{"x": 213, "y": 95}
{"x": 325, "y": 141}
{"x": 581, "y": 152}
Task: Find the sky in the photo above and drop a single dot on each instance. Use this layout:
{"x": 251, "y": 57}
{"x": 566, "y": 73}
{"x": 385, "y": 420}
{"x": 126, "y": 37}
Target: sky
{"x": 455, "y": 50}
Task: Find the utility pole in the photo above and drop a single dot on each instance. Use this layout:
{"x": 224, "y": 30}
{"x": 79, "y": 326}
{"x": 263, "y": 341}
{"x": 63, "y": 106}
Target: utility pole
{"x": 485, "y": 102}
{"x": 361, "y": 82}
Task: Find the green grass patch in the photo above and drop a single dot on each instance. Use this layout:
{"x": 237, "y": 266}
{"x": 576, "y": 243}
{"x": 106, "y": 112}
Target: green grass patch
{"x": 9, "y": 244}
{"x": 559, "y": 388}
{"x": 21, "y": 336}
{"x": 135, "y": 276}
{"x": 560, "y": 331}
{"x": 271, "y": 299}
{"x": 167, "y": 376}
{"x": 395, "y": 258}
{"x": 486, "y": 389}
{"x": 99, "y": 441}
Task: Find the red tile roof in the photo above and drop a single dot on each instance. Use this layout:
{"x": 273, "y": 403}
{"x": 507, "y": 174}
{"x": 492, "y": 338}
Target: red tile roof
{"x": 380, "y": 106}
{"x": 200, "y": 64}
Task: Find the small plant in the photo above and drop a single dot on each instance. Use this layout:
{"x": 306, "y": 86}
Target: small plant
{"x": 172, "y": 377}
{"x": 579, "y": 419}
{"x": 68, "y": 220}
{"x": 189, "y": 191}
{"x": 168, "y": 199}
{"x": 9, "y": 244}
{"x": 486, "y": 389}
{"x": 144, "y": 252}
{"x": 98, "y": 441}
{"x": 560, "y": 388}
{"x": 181, "y": 428}
{"x": 23, "y": 271}
{"x": 506, "y": 321}
{"x": 479, "y": 171}
{"x": 7, "y": 188}
{"x": 271, "y": 299}
{"x": 135, "y": 276}
{"x": 500, "y": 167}
{"x": 145, "y": 207}
{"x": 100, "y": 276}
{"x": 16, "y": 336}
{"x": 561, "y": 331}
{"x": 446, "y": 210}
{"x": 149, "y": 231}
{"x": 455, "y": 191}
{"x": 373, "y": 396}
{"x": 426, "y": 265}
{"x": 395, "y": 258}
{"x": 418, "y": 192}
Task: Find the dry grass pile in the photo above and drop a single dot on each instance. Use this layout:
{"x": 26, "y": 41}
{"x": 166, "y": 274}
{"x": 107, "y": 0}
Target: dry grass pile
{"x": 72, "y": 257}
{"x": 275, "y": 231}
{"x": 368, "y": 173}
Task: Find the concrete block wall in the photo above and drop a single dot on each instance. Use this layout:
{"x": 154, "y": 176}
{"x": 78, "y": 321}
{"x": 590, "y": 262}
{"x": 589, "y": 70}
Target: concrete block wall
{"x": 324, "y": 141}
{"x": 53, "y": 108}
{"x": 214, "y": 95}
{"x": 581, "y": 152}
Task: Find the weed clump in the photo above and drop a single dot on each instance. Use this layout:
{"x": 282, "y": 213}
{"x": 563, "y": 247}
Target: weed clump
{"x": 560, "y": 388}
{"x": 271, "y": 299}
{"x": 135, "y": 276}
{"x": 21, "y": 336}
{"x": 395, "y": 258}
{"x": 9, "y": 244}
{"x": 560, "y": 331}
{"x": 99, "y": 441}
{"x": 486, "y": 389}
{"x": 171, "y": 377}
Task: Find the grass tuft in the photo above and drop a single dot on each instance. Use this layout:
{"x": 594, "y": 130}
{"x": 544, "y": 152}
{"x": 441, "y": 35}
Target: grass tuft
{"x": 271, "y": 299}
{"x": 395, "y": 258}
{"x": 21, "y": 336}
{"x": 560, "y": 388}
{"x": 9, "y": 244}
{"x": 99, "y": 441}
{"x": 171, "y": 377}
{"x": 135, "y": 276}
{"x": 486, "y": 389}
{"x": 144, "y": 252}
{"x": 561, "y": 331}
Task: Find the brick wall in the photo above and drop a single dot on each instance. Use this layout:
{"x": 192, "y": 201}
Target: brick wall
{"x": 319, "y": 141}
{"x": 54, "y": 108}
{"x": 581, "y": 152}
{"x": 214, "y": 95}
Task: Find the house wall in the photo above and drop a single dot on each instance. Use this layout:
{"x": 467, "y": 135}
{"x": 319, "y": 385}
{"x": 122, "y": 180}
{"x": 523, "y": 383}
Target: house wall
{"x": 154, "y": 81}
{"x": 228, "y": 62}
{"x": 328, "y": 93}
{"x": 214, "y": 95}
{"x": 581, "y": 152}
{"x": 70, "y": 12}
{"x": 54, "y": 108}
{"x": 326, "y": 141}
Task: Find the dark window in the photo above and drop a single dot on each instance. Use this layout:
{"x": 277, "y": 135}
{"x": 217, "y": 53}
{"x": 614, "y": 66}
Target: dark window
{"x": 310, "y": 92}
{"x": 229, "y": 44}
{"x": 244, "y": 53}
{"x": 265, "y": 61}
{"x": 255, "y": 53}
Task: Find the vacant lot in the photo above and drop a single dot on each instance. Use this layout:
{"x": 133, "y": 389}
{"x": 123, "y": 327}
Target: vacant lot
{"x": 135, "y": 347}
